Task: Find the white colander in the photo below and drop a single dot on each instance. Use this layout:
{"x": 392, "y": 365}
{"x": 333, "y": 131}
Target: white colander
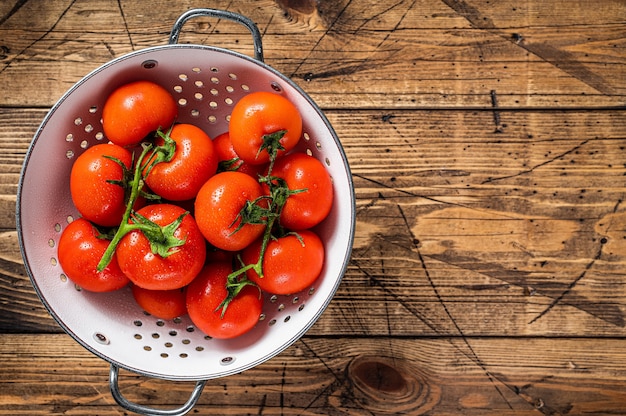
{"x": 206, "y": 81}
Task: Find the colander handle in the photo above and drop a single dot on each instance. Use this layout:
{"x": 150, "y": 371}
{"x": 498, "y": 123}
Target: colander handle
{"x": 145, "y": 410}
{"x": 220, "y": 14}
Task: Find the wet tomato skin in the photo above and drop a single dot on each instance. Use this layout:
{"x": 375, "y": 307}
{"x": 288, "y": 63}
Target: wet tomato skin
{"x": 95, "y": 198}
{"x": 193, "y": 163}
{"x": 258, "y": 114}
{"x": 79, "y": 252}
{"x": 308, "y": 208}
{"x": 290, "y": 264}
{"x": 134, "y": 110}
{"x": 230, "y": 160}
{"x": 218, "y": 205}
{"x": 206, "y": 293}
{"x": 164, "y": 304}
{"x": 151, "y": 271}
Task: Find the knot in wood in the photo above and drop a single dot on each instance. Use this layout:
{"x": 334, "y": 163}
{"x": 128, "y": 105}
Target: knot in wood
{"x": 380, "y": 376}
{"x": 390, "y": 386}
{"x": 302, "y": 11}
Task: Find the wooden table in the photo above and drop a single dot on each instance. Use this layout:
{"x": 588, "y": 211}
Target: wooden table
{"x": 487, "y": 144}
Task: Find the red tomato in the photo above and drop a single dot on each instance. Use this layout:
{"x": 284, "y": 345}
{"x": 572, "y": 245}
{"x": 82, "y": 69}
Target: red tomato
{"x": 229, "y": 160}
{"x": 257, "y": 115}
{"x": 304, "y": 209}
{"x": 193, "y": 163}
{"x": 152, "y": 271}
{"x": 289, "y": 265}
{"x": 206, "y": 293}
{"x": 217, "y": 209}
{"x": 98, "y": 200}
{"x": 164, "y": 304}
{"x": 136, "y": 109}
{"x": 80, "y": 250}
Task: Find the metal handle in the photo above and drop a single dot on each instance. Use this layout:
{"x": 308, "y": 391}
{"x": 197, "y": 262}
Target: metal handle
{"x": 149, "y": 411}
{"x": 220, "y": 14}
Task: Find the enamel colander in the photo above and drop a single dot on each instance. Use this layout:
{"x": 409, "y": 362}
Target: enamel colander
{"x": 206, "y": 82}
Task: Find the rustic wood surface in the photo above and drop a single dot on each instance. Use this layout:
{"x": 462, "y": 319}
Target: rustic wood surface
{"x": 487, "y": 141}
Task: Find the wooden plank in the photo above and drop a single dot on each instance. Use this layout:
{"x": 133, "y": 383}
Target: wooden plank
{"x": 338, "y": 376}
{"x": 349, "y": 54}
{"x": 472, "y": 210}
{"x": 486, "y": 141}
{"x": 468, "y": 222}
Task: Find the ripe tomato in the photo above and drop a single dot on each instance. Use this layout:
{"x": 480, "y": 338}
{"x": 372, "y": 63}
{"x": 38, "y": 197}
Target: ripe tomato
{"x": 206, "y": 293}
{"x": 257, "y": 115}
{"x": 164, "y": 304}
{"x": 194, "y": 161}
{"x": 218, "y": 206}
{"x": 306, "y": 209}
{"x": 152, "y": 271}
{"x": 289, "y": 265}
{"x": 136, "y": 109}
{"x": 98, "y": 200}
{"x": 80, "y": 250}
{"x": 229, "y": 160}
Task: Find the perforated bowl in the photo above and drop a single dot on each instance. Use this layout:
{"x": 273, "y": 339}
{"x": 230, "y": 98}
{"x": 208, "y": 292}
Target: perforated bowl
{"x": 206, "y": 81}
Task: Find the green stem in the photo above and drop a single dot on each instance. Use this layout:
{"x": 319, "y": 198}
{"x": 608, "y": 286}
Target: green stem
{"x": 271, "y": 143}
{"x": 162, "y": 153}
{"x": 161, "y": 238}
{"x": 135, "y": 189}
{"x": 279, "y": 192}
{"x": 258, "y": 266}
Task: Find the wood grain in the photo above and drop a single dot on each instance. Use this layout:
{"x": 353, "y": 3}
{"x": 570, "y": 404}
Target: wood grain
{"x": 339, "y": 376}
{"x": 463, "y": 226}
{"x": 360, "y": 55}
{"x": 486, "y": 142}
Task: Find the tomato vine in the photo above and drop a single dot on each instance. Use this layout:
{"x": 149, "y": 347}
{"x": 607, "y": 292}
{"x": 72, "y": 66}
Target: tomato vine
{"x": 161, "y": 238}
{"x": 253, "y": 213}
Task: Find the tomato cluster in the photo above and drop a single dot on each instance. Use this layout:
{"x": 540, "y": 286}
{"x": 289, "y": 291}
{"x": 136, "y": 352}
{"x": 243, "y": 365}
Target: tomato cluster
{"x": 197, "y": 225}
